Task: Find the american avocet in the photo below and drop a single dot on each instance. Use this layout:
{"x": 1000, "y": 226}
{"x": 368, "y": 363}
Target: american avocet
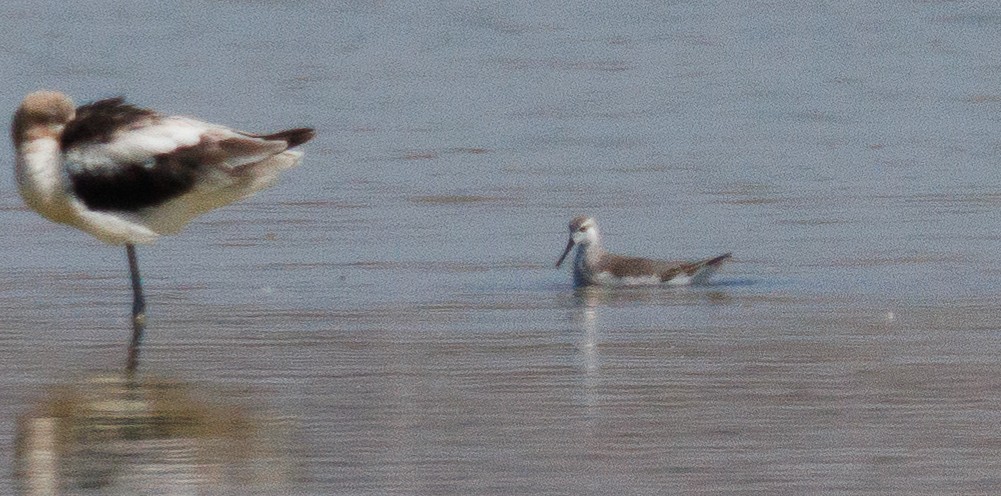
{"x": 127, "y": 175}
{"x": 593, "y": 265}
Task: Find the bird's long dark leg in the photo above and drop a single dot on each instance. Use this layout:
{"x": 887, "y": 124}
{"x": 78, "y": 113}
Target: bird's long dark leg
{"x": 138, "y": 311}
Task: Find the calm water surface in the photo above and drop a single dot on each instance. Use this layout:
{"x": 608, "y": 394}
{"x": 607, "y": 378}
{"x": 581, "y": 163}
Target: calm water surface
{"x": 393, "y": 299}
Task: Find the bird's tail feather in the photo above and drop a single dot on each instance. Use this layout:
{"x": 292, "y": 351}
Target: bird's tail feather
{"x": 294, "y": 137}
{"x": 704, "y": 269}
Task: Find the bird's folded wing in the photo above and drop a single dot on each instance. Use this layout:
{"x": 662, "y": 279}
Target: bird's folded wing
{"x": 118, "y": 157}
{"x": 621, "y": 266}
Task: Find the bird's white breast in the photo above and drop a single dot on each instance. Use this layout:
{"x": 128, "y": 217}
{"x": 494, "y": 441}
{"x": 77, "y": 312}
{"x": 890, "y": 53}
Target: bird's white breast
{"x": 40, "y": 178}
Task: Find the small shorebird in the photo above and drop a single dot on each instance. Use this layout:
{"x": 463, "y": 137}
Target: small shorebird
{"x": 127, "y": 175}
{"x": 593, "y": 265}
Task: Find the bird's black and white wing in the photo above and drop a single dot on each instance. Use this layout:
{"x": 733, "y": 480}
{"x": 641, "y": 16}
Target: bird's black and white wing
{"x": 123, "y": 158}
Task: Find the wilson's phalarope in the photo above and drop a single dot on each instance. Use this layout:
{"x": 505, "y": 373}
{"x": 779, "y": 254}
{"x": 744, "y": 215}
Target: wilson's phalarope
{"x": 127, "y": 175}
{"x": 593, "y": 265}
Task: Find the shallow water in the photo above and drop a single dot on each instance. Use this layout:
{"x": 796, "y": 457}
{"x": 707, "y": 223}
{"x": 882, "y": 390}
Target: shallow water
{"x": 395, "y": 297}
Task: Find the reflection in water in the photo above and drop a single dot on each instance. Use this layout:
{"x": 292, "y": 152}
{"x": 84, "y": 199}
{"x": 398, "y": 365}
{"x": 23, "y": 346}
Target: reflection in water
{"x": 402, "y": 293}
{"x": 586, "y": 300}
{"x": 117, "y": 435}
{"x": 589, "y": 301}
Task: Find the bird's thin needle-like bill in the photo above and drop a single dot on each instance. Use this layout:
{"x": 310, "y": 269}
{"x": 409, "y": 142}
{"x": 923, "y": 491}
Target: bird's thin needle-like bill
{"x": 565, "y": 252}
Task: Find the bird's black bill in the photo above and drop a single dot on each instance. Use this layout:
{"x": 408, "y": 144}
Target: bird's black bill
{"x": 565, "y": 252}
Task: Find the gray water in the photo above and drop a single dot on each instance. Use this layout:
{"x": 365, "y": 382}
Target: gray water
{"x": 394, "y": 297}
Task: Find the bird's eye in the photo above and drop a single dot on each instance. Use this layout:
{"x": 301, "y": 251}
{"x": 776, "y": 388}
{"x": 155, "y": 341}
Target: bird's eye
{"x": 582, "y": 229}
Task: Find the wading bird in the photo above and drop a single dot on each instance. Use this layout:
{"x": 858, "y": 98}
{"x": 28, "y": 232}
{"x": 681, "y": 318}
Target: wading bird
{"x": 592, "y": 265}
{"x": 127, "y": 175}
